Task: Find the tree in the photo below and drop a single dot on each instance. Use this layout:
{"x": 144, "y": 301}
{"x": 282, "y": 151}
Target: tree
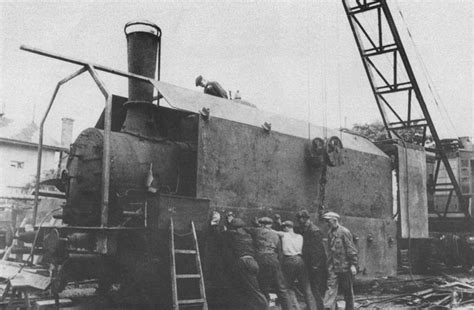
{"x": 376, "y": 131}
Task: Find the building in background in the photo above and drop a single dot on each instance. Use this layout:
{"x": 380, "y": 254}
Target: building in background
{"x": 18, "y": 165}
{"x": 19, "y": 152}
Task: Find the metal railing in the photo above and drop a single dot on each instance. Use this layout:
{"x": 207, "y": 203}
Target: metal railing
{"x": 92, "y": 69}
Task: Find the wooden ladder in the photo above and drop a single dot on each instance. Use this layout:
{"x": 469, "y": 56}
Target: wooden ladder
{"x": 200, "y": 302}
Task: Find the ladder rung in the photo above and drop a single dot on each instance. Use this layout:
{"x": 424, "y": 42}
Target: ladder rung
{"x": 183, "y": 235}
{"x": 132, "y": 214}
{"x": 190, "y": 301}
{"x": 188, "y": 276}
{"x": 181, "y": 251}
{"x": 201, "y": 301}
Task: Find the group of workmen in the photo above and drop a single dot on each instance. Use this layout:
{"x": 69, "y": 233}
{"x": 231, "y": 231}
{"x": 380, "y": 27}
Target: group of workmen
{"x": 277, "y": 256}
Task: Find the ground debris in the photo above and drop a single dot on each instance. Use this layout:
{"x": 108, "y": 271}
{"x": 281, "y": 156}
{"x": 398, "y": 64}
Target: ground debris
{"x": 440, "y": 292}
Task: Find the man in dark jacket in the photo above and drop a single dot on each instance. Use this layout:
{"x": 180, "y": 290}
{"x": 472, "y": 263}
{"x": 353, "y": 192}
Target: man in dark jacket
{"x": 314, "y": 256}
{"x": 267, "y": 246}
{"x": 211, "y": 87}
{"x": 342, "y": 262}
{"x": 239, "y": 254}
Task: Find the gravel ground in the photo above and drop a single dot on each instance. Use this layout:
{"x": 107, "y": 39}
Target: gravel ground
{"x": 403, "y": 291}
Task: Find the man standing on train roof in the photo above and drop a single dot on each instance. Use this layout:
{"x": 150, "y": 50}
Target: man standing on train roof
{"x": 342, "y": 262}
{"x": 211, "y": 87}
{"x": 293, "y": 266}
{"x": 267, "y": 245}
{"x": 239, "y": 255}
{"x": 314, "y": 256}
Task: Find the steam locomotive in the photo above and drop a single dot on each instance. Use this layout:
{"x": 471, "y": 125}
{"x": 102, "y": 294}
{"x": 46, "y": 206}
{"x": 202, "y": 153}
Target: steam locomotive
{"x": 203, "y": 154}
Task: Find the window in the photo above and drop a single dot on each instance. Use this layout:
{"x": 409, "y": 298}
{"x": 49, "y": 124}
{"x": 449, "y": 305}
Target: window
{"x": 17, "y": 164}
{"x": 472, "y": 176}
{"x": 465, "y": 177}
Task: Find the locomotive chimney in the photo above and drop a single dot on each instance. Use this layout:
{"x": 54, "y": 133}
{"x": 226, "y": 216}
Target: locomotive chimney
{"x": 66, "y": 131}
{"x": 143, "y": 39}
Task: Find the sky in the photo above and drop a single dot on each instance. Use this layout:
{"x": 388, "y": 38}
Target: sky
{"x": 296, "y": 58}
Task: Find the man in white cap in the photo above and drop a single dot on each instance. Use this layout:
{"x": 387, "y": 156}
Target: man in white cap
{"x": 342, "y": 262}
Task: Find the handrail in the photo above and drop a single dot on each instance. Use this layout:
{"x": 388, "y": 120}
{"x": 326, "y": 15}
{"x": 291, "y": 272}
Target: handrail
{"x": 104, "y": 210}
{"x": 83, "y": 63}
{"x": 91, "y": 68}
{"x": 40, "y": 143}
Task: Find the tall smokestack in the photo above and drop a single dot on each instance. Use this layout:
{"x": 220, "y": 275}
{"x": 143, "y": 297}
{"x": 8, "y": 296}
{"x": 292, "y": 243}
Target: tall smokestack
{"x": 143, "y": 40}
{"x": 66, "y": 131}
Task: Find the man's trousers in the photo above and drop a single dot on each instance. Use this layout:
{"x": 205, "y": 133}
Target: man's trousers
{"x": 246, "y": 275}
{"x": 294, "y": 269}
{"x": 271, "y": 276}
{"x": 342, "y": 281}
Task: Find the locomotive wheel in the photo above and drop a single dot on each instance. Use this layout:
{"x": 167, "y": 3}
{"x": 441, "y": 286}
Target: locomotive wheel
{"x": 315, "y": 156}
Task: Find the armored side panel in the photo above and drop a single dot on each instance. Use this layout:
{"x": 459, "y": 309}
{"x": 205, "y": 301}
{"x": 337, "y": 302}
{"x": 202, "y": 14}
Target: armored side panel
{"x": 252, "y": 172}
{"x": 361, "y": 191}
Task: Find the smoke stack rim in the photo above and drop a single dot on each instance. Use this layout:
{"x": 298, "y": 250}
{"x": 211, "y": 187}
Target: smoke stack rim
{"x": 142, "y": 26}
{"x": 143, "y": 45}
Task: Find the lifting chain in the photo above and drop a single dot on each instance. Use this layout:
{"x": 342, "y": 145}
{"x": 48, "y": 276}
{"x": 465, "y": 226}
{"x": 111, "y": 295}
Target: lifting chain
{"x": 322, "y": 190}
{"x": 321, "y": 154}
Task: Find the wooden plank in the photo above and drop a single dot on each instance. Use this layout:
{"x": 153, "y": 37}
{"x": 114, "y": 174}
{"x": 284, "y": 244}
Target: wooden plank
{"x": 412, "y": 193}
{"x": 22, "y": 276}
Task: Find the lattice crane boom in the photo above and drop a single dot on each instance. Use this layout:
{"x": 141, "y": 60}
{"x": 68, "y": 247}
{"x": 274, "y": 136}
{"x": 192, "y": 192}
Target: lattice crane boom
{"x": 394, "y": 85}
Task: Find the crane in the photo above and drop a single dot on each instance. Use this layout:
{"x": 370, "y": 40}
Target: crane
{"x": 395, "y": 88}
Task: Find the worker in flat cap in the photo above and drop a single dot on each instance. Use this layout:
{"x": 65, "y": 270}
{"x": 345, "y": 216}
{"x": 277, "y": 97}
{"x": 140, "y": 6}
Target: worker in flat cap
{"x": 267, "y": 245}
{"x": 239, "y": 258}
{"x": 277, "y": 222}
{"x": 342, "y": 262}
{"x": 293, "y": 266}
{"x": 314, "y": 256}
{"x": 229, "y": 216}
{"x": 211, "y": 87}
